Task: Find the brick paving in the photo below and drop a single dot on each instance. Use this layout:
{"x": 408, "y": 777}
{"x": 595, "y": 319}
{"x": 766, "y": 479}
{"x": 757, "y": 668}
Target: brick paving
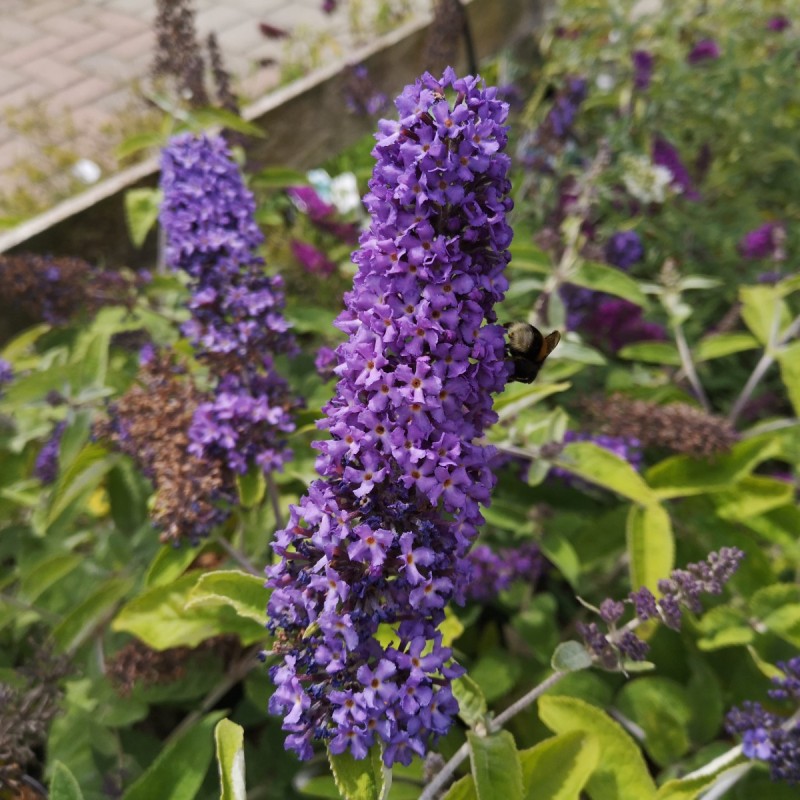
{"x": 69, "y": 68}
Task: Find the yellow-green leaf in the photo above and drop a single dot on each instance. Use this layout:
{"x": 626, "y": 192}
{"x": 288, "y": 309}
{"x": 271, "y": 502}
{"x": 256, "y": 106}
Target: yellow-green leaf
{"x": 558, "y": 768}
{"x": 650, "y": 545}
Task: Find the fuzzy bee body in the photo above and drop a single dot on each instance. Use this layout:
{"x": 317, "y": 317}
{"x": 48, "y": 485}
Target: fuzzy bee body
{"x": 527, "y": 349}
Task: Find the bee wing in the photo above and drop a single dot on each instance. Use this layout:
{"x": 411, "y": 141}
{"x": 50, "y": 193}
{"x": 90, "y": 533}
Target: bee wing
{"x": 549, "y": 344}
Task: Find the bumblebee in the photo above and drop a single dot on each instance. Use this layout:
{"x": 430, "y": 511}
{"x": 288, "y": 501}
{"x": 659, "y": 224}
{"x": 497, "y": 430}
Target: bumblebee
{"x": 527, "y": 349}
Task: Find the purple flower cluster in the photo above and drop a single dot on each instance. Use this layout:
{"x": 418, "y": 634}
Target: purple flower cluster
{"x": 565, "y": 108}
{"x": 666, "y": 155}
{"x": 643, "y": 63}
{"x": 325, "y": 362}
{"x": 624, "y": 249}
{"x": 704, "y": 50}
{"x": 613, "y": 323}
{"x": 322, "y": 214}
{"x": 376, "y": 547}
{"x": 778, "y": 23}
{"x": 763, "y": 242}
{"x": 770, "y": 737}
{"x": 45, "y": 467}
{"x": 493, "y": 571}
{"x": 313, "y": 260}
{"x": 237, "y": 324}
{"x": 6, "y": 374}
{"x": 681, "y": 590}
{"x": 624, "y": 447}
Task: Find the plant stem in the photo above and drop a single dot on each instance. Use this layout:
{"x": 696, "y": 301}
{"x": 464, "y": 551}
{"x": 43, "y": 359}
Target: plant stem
{"x": 433, "y": 788}
{"x": 688, "y": 366}
{"x": 235, "y": 673}
{"x": 239, "y": 557}
{"x": 764, "y": 363}
{"x": 275, "y": 500}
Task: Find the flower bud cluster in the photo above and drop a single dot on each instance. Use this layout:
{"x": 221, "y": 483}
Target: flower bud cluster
{"x": 237, "y": 324}
{"x": 375, "y": 550}
{"x": 680, "y": 591}
{"x": 768, "y": 736}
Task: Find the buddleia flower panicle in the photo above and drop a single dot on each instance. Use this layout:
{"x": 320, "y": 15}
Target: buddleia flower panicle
{"x": 151, "y": 423}
{"x": 237, "y": 324}
{"x": 768, "y": 736}
{"x": 680, "y": 591}
{"x": 678, "y": 427}
{"x": 494, "y": 571}
{"x": 377, "y": 545}
{"x": 45, "y": 467}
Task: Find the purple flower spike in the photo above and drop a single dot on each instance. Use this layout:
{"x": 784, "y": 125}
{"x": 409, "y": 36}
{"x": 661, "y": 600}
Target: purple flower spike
{"x": 665, "y": 155}
{"x": 762, "y": 242}
{"x": 643, "y": 63}
{"x": 778, "y": 23}
{"x": 379, "y": 541}
{"x": 624, "y": 249}
{"x": 704, "y": 50}
{"x": 237, "y": 324}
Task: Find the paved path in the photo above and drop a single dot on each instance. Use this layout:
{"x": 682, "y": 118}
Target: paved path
{"x": 68, "y": 67}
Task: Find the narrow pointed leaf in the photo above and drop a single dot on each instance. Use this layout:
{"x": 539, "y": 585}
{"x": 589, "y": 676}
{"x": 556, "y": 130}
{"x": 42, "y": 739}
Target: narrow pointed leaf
{"x": 496, "y": 767}
{"x": 229, "y": 739}
{"x": 650, "y": 544}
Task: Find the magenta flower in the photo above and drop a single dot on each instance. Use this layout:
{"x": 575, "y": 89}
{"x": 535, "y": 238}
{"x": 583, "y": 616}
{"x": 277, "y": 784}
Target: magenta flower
{"x": 313, "y": 260}
{"x": 778, "y": 23}
{"x": 704, "y": 50}
{"x": 761, "y": 242}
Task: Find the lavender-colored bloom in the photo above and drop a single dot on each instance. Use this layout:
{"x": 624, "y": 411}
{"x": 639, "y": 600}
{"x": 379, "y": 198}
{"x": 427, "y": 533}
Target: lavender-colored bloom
{"x": 6, "y": 374}
{"x": 387, "y": 526}
{"x": 565, "y": 107}
{"x": 681, "y": 590}
{"x": 704, "y": 50}
{"x": 325, "y": 362}
{"x": 46, "y": 466}
{"x": 778, "y": 23}
{"x": 761, "y": 242}
{"x": 624, "y": 249}
{"x": 665, "y": 155}
{"x": 643, "y": 62}
{"x": 329, "y": 6}
{"x": 770, "y": 737}
{"x": 494, "y": 571}
{"x": 237, "y": 324}
{"x": 614, "y": 322}
{"x": 312, "y": 259}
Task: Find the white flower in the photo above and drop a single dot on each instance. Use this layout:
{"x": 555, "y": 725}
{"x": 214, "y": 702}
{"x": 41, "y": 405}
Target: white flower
{"x": 344, "y": 192}
{"x": 86, "y": 171}
{"x": 321, "y": 182}
{"x": 645, "y": 181}
{"x": 605, "y": 82}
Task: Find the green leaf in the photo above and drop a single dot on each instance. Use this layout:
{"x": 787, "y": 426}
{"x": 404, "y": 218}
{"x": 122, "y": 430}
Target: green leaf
{"x": 251, "y": 487}
{"x": 723, "y": 344}
{"x": 661, "y": 708}
{"x": 571, "y": 657}
{"x": 559, "y": 551}
{"x": 462, "y": 789}
{"x": 752, "y": 496}
{"x": 724, "y": 626}
{"x": 245, "y": 593}
{"x": 169, "y": 564}
{"x": 359, "y": 780}
{"x": 180, "y": 768}
{"x": 593, "y": 463}
{"x": 46, "y": 573}
{"x": 139, "y": 141}
{"x": 652, "y": 353}
{"x": 229, "y": 739}
{"x": 622, "y": 773}
{"x": 496, "y": 767}
{"x": 516, "y": 397}
{"x": 141, "y": 212}
{"x": 472, "y": 707}
{"x": 159, "y": 617}
{"x": 685, "y": 788}
{"x": 63, "y": 785}
{"x": 759, "y": 306}
{"x": 82, "y": 475}
{"x": 222, "y": 118}
{"x": 81, "y": 622}
{"x": 681, "y": 476}
{"x": 128, "y": 494}
{"x": 603, "y": 278}
{"x": 496, "y": 672}
{"x": 789, "y": 362}
{"x": 19, "y": 345}
{"x": 305, "y": 319}
{"x": 558, "y": 768}
{"x": 278, "y": 178}
{"x": 650, "y": 545}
